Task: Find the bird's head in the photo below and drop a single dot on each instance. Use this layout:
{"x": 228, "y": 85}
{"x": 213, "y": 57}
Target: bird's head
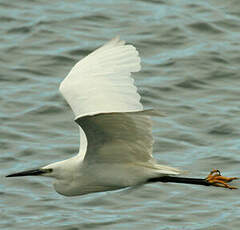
{"x": 62, "y": 171}
{"x": 33, "y": 172}
{"x": 58, "y": 170}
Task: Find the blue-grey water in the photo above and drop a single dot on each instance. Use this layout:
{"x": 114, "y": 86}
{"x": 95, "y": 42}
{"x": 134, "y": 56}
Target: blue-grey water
{"x": 191, "y": 71}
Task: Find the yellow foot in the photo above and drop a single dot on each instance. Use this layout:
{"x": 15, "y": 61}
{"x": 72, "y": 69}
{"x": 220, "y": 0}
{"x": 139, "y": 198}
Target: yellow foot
{"x": 216, "y": 179}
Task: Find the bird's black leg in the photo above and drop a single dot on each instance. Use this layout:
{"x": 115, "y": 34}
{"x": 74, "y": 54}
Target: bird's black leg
{"x": 213, "y": 179}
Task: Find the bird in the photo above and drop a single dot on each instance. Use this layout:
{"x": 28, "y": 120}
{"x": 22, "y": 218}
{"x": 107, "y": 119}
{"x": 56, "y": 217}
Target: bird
{"x": 116, "y": 140}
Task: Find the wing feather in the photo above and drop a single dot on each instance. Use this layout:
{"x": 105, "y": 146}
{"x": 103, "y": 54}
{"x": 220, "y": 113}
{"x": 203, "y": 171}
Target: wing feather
{"x": 118, "y": 137}
{"x": 101, "y": 82}
{"x": 102, "y": 95}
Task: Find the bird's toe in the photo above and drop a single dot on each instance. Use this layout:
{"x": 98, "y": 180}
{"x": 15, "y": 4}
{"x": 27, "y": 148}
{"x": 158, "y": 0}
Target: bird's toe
{"x": 216, "y": 179}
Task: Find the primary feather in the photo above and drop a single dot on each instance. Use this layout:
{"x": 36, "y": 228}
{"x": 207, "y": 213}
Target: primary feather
{"x": 101, "y": 82}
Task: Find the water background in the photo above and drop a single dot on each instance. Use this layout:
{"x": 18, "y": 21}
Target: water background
{"x": 190, "y": 70}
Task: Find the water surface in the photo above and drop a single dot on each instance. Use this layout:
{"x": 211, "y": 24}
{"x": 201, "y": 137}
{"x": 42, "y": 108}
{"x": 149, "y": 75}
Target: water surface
{"x": 190, "y": 58}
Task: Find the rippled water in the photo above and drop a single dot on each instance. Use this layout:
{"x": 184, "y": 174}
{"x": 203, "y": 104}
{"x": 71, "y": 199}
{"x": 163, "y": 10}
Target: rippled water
{"x": 190, "y": 57}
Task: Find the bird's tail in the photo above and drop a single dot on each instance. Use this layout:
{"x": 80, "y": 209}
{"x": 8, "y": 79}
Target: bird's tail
{"x": 163, "y": 169}
{"x": 160, "y": 170}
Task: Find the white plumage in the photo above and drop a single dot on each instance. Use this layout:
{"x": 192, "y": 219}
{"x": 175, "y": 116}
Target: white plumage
{"x": 115, "y": 133}
{"x": 101, "y": 82}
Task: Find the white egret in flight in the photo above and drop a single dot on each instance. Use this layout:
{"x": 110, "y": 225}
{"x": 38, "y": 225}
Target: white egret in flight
{"x": 115, "y": 132}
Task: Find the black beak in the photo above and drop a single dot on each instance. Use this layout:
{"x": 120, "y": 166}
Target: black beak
{"x": 33, "y": 172}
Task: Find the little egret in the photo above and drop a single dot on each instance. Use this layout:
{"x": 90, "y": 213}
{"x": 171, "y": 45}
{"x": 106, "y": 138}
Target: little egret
{"x": 115, "y": 132}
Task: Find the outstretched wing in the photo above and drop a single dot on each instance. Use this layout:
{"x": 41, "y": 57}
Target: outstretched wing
{"x": 107, "y": 107}
{"x": 117, "y": 137}
{"x": 101, "y": 82}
